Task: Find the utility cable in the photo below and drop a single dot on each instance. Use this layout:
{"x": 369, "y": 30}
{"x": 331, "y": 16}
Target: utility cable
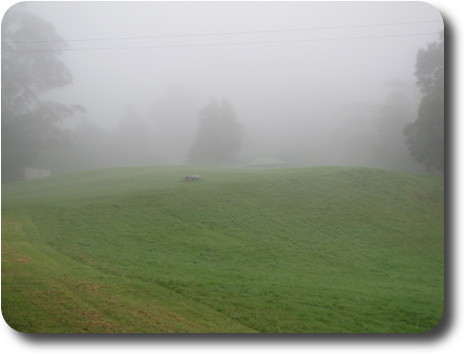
{"x": 223, "y": 33}
{"x": 220, "y": 44}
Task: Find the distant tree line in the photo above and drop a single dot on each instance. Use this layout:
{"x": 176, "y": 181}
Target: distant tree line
{"x": 395, "y": 134}
{"x": 148, "y": 139}
{"x": 398, "y": 134}
{"x": 371, "y": 134}
{"x": 33, "y": 133}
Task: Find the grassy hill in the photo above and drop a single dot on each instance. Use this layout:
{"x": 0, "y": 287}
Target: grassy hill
{"x": 289, "y": 250}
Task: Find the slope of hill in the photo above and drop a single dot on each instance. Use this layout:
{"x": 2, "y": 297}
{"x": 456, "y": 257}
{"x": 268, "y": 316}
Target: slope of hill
{"x": 287, "y": 250}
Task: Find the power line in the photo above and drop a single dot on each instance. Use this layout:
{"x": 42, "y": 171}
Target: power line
{"x": 223, "y": 33}
{"x": 219, "y": 44}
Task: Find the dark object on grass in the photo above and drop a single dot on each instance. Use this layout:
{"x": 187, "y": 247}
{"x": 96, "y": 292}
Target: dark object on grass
{"x": 191, "y": 178}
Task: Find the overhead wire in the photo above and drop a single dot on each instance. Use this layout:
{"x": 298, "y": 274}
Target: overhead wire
{"x": 219, "y": 44}
{"x": 223, "y": 33}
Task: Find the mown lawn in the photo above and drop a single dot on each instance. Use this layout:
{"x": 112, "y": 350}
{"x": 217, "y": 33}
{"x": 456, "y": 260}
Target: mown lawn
{"x": 290, "y": 250}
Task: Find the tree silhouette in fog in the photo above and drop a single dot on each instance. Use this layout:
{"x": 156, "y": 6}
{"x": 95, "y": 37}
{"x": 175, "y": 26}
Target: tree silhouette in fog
{"x": 30, "y": 67}
{"x": 219, "y": 135}
{"x": 425, "y": 137}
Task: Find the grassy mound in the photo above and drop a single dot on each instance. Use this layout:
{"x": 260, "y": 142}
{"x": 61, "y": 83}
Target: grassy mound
{"x": 288, "y": 250}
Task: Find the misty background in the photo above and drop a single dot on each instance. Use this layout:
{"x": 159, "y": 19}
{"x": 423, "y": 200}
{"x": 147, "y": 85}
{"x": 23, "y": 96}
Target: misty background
{"x": 305, "y": 83}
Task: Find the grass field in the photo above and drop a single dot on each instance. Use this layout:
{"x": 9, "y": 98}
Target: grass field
{"x": 288, "y": 250}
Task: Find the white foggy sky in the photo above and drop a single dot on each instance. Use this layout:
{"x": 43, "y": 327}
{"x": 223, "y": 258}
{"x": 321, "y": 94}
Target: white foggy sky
{"x": 261, "y": 81}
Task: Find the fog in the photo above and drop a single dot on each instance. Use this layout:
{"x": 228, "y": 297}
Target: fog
{"x": 310, "y": 83}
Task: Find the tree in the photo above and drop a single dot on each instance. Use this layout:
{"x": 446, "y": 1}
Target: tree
{"x": 30, "y": 67}
{"x": 425, "y": 137}
{"x": 135, "y": 142}
{"x": 389, "y": 149}
{"x": 171, "y": 119}
{"x": 219, "y": 135}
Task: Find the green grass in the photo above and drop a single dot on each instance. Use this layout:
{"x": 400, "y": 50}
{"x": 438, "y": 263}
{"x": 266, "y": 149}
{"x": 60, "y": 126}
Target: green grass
{"x": 289, "y": 250}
